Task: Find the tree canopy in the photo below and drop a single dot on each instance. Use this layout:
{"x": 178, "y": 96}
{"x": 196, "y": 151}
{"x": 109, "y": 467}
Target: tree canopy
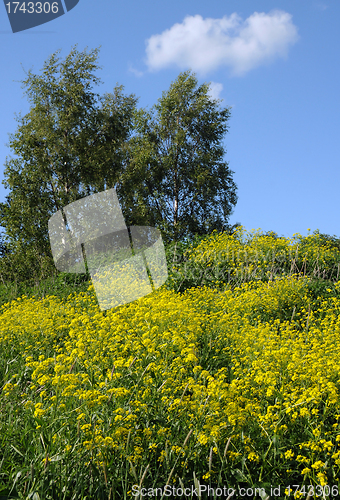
{"x": 178, "y": 179}
{"x": 69, "y": 145}
{"x": 167, "y": 164}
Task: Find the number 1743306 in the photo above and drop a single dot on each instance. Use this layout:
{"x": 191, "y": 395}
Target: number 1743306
{"x": 32, "y": 7}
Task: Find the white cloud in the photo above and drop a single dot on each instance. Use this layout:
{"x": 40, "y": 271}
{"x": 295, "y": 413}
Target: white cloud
{"x": 215, "y": 89}
{"x": 205, "y": 44}
{"x": 135, "y": 71}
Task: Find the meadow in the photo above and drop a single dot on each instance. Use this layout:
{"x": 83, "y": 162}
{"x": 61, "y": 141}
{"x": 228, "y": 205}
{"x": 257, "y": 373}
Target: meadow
{"x": 226, "y": 377}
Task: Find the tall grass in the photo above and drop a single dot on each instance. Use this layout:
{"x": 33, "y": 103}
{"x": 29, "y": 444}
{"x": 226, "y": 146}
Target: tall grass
{"x": 226, "y": 377}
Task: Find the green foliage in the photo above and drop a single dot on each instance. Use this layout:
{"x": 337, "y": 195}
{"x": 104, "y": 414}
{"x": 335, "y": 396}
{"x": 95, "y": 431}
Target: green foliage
{"x": 167, "y": 165}
{"x": 220, "y": 260}
{"x": 61, "y": 285}
{"x": 177, "y": 178}
{"x": 186, "y": 270}
{"x": 236, "y": 387}
{"x": 70, "y": 145}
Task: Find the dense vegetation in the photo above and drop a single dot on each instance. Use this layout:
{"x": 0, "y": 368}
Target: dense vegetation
{"x": 226, "y": 376}
{"x": 167, "y": 164}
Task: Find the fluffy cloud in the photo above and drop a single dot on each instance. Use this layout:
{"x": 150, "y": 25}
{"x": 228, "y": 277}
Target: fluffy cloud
{"x": 215, "y": 89}
{"x": 206, "y": 44}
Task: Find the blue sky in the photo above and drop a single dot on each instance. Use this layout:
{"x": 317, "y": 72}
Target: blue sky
{"x": 276, "y": 62}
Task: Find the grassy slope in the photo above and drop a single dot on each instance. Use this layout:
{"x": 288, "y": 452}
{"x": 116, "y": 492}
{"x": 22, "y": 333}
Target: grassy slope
{"x": 233, "y": 340}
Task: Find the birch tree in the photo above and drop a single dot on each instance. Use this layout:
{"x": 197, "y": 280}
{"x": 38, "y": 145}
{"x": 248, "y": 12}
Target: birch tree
{"x": 177, "y": 177}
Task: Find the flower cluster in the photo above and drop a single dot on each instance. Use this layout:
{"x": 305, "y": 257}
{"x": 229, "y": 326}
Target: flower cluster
{"x": 202, "y": 381}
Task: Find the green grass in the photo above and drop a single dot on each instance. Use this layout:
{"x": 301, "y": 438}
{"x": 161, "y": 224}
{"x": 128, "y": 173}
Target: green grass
{"x": 211, "y": 342}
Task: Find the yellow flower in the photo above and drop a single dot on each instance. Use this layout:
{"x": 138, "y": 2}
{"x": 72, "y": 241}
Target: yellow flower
{"x": 318, "y": 464}
{"x": 322, "y": 479}
{"x": 253, "y": 457}
{"x": 202, "y": 439}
